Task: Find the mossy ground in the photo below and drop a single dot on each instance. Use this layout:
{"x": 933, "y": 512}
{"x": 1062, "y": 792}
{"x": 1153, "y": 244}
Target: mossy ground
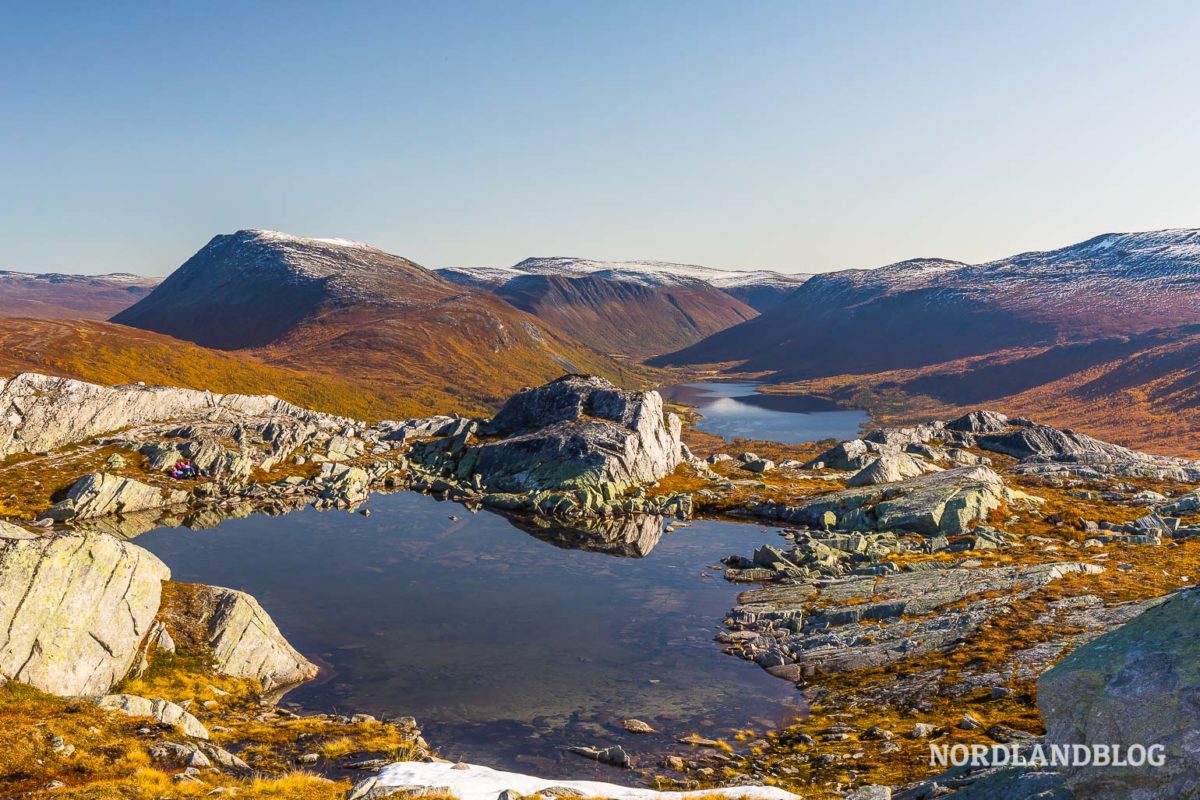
{"x": 866, "y": 698}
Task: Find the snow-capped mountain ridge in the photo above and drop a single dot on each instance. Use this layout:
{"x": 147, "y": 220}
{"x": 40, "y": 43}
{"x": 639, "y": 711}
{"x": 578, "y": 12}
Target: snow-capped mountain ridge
{"x": 53, "y": 295}
{"x": 929, "y": 310}
{"x": 653, "y": 273}
{"x": 123, "y": 278}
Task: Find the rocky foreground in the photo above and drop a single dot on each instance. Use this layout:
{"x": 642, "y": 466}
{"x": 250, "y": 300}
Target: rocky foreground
{"x": 88, "y": 615}
{"x": 926, "y": 580}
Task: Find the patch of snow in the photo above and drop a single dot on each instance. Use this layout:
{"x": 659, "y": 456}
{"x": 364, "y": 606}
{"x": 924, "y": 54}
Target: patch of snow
{"x": 470, "y": 782}
{"x": 648, "y": 273}
{"x": 279, "y": 236}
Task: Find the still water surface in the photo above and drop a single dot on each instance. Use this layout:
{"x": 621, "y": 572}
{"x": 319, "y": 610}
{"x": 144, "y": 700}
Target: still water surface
{"x": 505, "y": 644}
{"x": 733, "y": 410}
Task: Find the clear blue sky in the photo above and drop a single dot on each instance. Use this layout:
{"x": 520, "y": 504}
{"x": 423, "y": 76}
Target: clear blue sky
{"x": 787, "y": 135}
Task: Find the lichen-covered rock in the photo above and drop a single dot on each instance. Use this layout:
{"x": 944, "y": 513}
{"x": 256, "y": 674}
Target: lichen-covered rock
{"x": 101, "y": 494}
{"x": 74, "y": 608}
{"x": 852, "y": 454}
{"x": 161, "y": 711}
{"x": 247, "y": 644}
{"x": 1136, "y": 685}
{"x": 946, "y": 502}
{"x": 979, "y": 422}
{"x": 577, "y": 432}
{"x": 889, "y": 468}
{"x": 40, "y": 412}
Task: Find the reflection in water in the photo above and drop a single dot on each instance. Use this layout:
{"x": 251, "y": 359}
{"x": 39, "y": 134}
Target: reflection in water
{"x": 504, "y": 649}
{"x": 631, "y": 537}
{"x": 737, "y": 410}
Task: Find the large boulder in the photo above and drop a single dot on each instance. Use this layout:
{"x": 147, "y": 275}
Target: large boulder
{"x": 577, "y": 432}
{"x": 1048, "y": 442}
{"x": 245, "y": 641}
{"x": 1137, "y": 685}
{"x": 947, "y": 502}
{"x": 852, "y": 454}
{"x": 979, "y": 422}
{"x": 891, "y": 467}
{"x": 101, "y": 494}
{"x": 74, "y": 608}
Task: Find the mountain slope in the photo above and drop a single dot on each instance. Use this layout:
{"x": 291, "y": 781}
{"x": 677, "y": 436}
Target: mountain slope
{"x": 759, "y": 289}
{"x": 102, "y": 352}
{"x": 928, "y": 311}
{"x": 345, "y": 308}
{"x": 1142, "y": 391}
{"x": 634, "y": 308}
{"x": 54, "y": 296}
{"x": 626, "y": 317}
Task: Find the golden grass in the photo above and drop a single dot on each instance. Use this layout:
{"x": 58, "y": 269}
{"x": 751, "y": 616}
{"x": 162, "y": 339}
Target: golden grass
{"x": 1153, "y": 571}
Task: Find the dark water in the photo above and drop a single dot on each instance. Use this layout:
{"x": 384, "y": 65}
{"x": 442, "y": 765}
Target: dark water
{"x": 736, "y": 410}
{"x": 504, "y": 644}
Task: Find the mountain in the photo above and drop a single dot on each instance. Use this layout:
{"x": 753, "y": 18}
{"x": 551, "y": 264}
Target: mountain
{"x": 760, "y": 289}
{"x": 54, "y": 296}
{"x": 339, "y": 307}
{"x": 633, "y": 308}
{"x": 929, "y": 311}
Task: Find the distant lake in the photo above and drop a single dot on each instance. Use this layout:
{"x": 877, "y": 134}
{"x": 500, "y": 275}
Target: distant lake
{"x": 738, "y": 410}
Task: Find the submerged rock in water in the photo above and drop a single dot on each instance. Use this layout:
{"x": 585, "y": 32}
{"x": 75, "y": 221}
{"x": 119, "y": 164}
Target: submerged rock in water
{"x": 1136, "y": 686}
{"x": 74, "y": 608}
{"x": 614, "y": 756}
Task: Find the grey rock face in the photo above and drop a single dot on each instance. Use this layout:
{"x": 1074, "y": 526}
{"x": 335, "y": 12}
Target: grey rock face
{"x": 789, "y": 633}
{"x": 891, "y": 467}
{"x": 39, "y": 412}
{"x": 162, "y": 711}
{"x": 852, "y": 454}
{"x": 74, "y": 608}
{"x": 944, "y": 502}
{"x": 979, "y": 422}
{"x": 577, "y": 432}
{"x": 1136, "y": 685}
{"x": 247, "y": 644}
{"x": 1042, "y": 440}
{"x": 100, "y": 494}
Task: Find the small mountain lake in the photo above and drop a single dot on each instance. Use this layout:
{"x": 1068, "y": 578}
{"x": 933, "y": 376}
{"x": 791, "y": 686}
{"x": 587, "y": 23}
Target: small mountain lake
{"x": 506, "y": 643}
{"x": 737, "y": 410}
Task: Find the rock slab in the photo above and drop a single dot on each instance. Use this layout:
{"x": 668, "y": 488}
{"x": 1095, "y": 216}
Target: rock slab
{"x": 247, "y": 644}
{"x": 74, "y": 608}
{"x": 1136, "y": 685}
